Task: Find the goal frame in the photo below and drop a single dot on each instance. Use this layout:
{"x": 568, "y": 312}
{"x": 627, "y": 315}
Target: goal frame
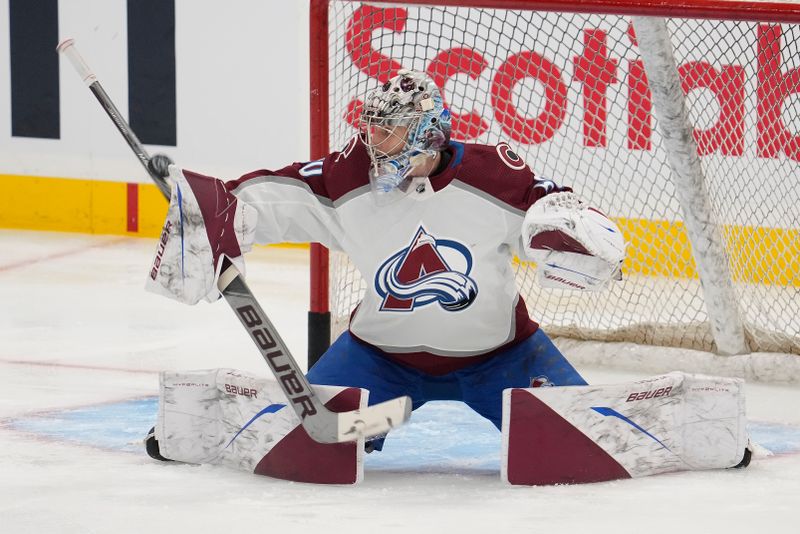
{"x": 319, "y": 316}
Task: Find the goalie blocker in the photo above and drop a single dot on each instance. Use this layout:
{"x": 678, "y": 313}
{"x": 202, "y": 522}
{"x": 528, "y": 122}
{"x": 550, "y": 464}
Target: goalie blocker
{"x": 578, "y": 434}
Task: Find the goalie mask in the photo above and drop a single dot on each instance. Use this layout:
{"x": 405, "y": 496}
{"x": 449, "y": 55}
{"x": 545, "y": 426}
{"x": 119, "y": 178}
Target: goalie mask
{"x": 403, "y": 121}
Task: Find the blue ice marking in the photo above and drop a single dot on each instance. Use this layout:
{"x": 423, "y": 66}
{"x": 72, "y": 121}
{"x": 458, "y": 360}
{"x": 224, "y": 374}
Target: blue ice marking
{"x": 609, "y": 412}
{"x": 442, "y": 436}
{"x": 775, "y": 437}
{"x": 272, "y": 408}
{"x": 118, "y": 427}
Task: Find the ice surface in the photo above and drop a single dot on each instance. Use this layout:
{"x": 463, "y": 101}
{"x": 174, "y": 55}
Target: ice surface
{"x": 81, "y": 344}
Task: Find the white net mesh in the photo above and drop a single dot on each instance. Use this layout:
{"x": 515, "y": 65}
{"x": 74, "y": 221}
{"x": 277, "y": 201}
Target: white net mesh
{"x": 569, "y": 93}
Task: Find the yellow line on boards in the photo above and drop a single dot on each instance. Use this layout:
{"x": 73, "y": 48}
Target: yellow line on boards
{"x": 655, "y": 248}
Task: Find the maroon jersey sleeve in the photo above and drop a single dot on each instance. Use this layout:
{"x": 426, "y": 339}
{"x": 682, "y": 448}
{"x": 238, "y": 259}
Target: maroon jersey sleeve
{"x": 308, "y": 173}
{"x": 328, "y": 178}
{"x": 501, "y": 174}
{"x": 505, "y": 179}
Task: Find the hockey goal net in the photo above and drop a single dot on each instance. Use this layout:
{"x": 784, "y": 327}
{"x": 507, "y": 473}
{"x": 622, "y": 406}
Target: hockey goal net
{"x": 574, "y": 94}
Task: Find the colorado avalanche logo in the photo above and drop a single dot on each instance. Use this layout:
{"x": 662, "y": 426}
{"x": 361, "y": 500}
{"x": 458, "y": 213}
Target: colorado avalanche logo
{"x": 419, "y": 275}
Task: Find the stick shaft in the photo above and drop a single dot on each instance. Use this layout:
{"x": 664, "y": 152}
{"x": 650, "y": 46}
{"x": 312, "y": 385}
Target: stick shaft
{"x": 68, "y": 49}
{"x": 319, "y": 422}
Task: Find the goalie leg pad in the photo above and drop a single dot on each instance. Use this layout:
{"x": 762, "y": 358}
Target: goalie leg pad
{"x": 578, "y": 434}
{"x": 225, "y": 417}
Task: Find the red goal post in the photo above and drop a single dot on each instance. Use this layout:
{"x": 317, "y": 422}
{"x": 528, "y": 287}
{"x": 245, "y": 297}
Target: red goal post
{"x": 703, "y": 180}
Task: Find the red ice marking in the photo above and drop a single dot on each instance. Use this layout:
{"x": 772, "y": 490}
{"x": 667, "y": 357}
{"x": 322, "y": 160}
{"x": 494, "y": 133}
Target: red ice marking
{"x": 8, "y": 422}
{"x": 544, "y": 448}
{"x": 79, "y": 366}
{"x": 56, "y": 255}
{"x": 299, "y": 458}
{"x": 133, "y": 207}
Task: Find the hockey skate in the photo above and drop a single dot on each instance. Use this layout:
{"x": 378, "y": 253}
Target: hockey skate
{"x": 748, "y": 455}
{"x": 151, "y": 446}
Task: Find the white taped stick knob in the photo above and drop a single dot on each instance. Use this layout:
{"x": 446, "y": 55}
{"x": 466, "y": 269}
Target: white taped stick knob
{"x": 67, "y": 48}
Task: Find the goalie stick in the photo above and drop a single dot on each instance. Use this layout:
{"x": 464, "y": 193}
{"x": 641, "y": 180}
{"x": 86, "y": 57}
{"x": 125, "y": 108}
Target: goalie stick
{"x": 321, "y": 424}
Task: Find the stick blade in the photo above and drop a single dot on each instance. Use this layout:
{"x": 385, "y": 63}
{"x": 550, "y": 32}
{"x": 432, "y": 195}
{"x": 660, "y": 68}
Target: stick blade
{"x": 371, "y": 421}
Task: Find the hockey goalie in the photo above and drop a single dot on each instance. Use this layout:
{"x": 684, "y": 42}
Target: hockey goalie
{"x": 433, "y": 226}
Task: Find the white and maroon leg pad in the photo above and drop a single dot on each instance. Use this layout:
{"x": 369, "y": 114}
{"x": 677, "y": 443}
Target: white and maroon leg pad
{"x": 226, "y": 417}
{"x": 578, "y": 434}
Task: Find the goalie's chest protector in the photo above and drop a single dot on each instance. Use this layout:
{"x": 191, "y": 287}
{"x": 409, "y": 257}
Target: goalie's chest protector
{"x": 437, "y": 262}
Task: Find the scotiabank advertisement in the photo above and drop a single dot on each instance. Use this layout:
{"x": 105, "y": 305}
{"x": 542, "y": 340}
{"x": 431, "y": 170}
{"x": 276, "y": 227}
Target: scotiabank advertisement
{"x": 568, "y": 92}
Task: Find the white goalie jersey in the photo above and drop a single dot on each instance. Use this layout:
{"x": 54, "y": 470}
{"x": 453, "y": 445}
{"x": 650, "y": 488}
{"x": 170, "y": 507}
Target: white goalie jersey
{"x": 437, "y": 262}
